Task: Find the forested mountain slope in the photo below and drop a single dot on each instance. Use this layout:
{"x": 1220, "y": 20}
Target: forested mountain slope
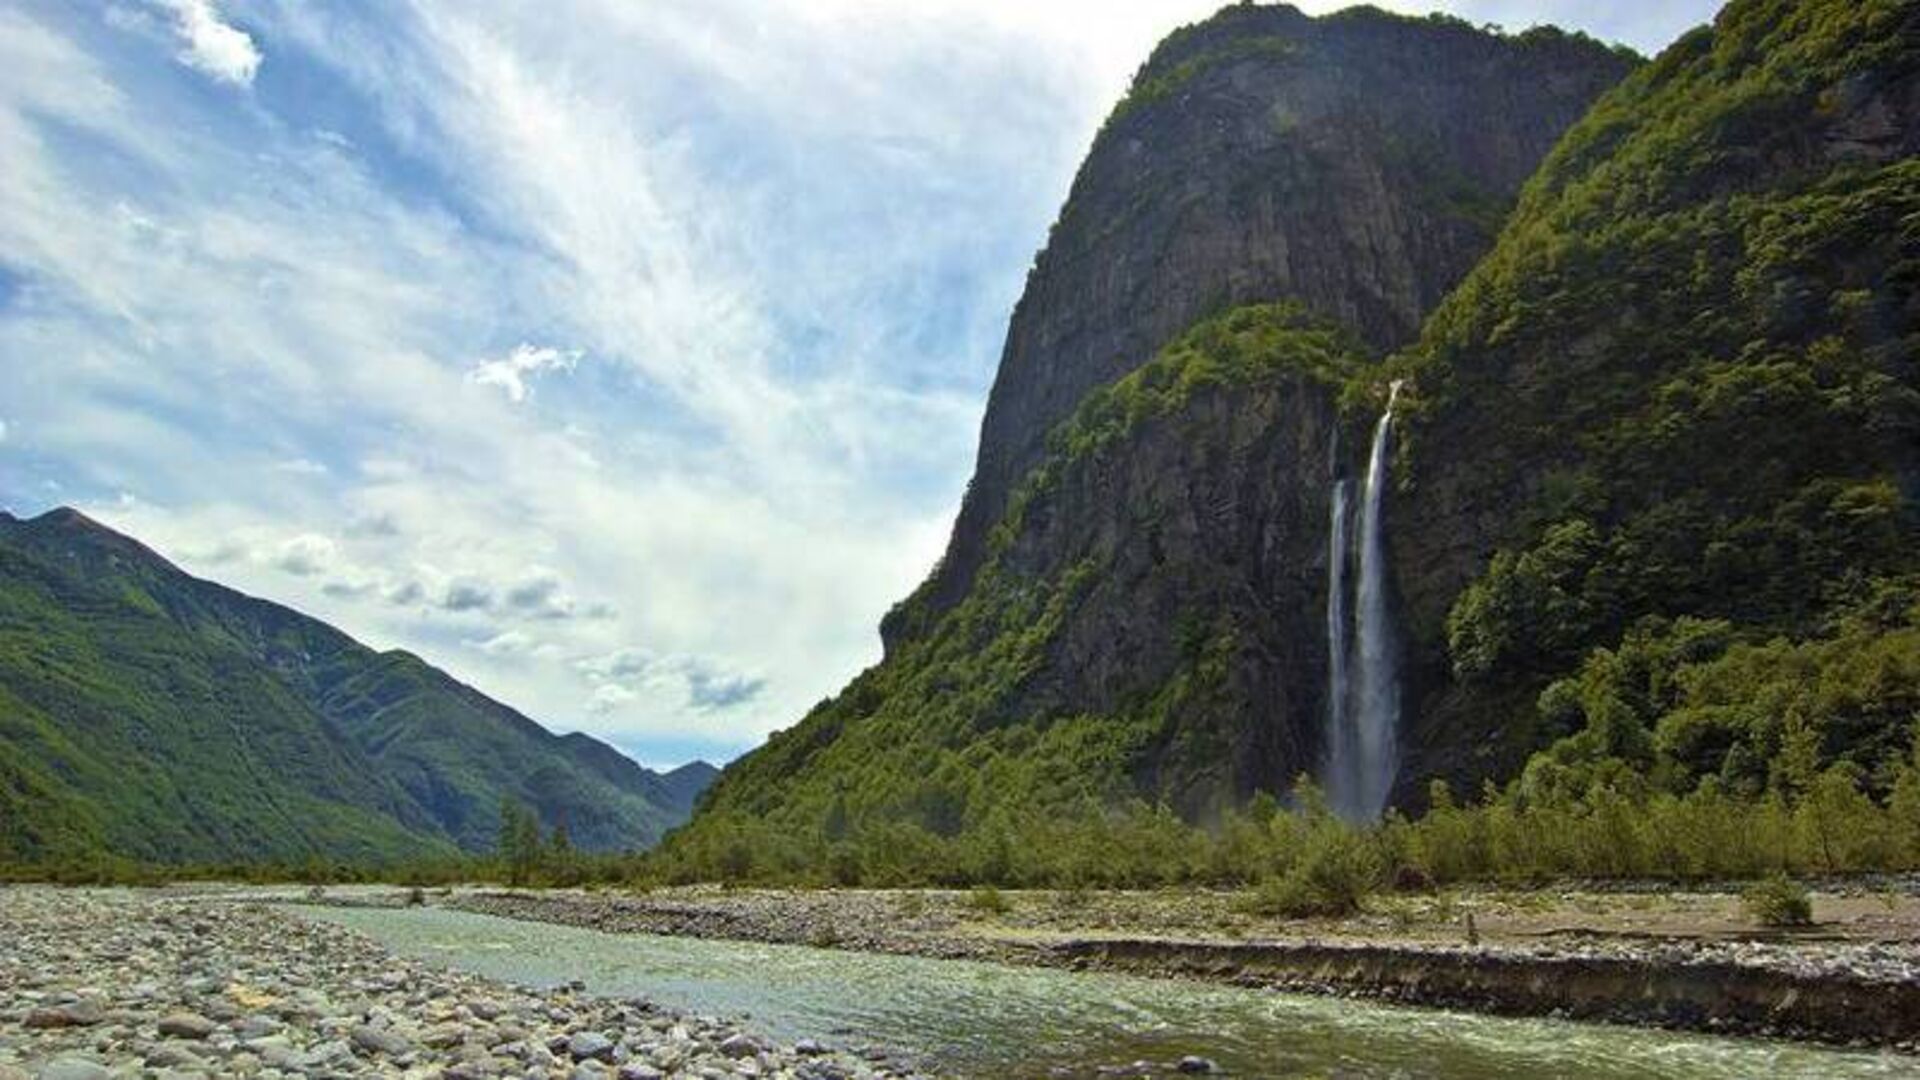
{"x": 153, "y": 715}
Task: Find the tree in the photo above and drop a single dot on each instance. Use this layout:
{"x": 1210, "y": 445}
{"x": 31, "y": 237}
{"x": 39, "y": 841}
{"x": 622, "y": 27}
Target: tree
{"x": 521, "y": 849}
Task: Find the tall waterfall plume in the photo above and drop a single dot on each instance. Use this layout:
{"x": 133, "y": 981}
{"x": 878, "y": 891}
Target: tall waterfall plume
{"x": 1340, "y": 776}
{"x": 1363, "y": 710}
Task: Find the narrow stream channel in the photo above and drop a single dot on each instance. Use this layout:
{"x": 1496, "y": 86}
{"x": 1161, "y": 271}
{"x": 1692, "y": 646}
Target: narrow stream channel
{"x": 996, "y": 1023}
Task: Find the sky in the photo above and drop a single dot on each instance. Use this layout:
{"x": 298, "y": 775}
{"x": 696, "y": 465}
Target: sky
{"x": 623, "y": 359}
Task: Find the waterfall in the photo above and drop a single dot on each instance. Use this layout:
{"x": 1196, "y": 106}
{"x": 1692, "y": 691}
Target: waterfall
{"x": 1363, "y": 682}
{"x": 1339, "y": 749}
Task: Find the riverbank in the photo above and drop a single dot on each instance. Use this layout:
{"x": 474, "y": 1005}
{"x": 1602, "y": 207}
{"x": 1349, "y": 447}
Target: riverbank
{"x": 180, "y": 983}
{"x": 1688, "y": 962}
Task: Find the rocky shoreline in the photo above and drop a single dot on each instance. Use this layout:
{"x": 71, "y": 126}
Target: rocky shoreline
{"x": 1853, "y": 986}
{"x": 105, "y": 984}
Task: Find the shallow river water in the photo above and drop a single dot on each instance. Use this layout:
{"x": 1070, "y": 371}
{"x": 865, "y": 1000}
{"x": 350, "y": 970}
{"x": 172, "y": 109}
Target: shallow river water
{"x": 990, "y": 1021}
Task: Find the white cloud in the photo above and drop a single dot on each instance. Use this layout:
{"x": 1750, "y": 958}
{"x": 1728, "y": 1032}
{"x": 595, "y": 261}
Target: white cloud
{"x": 512, "y": 371}
{"x": 3, "y": 431}
{"x": 467, "y": 594}
{"x": 510, "y": 643}
{"x": 621, "y": 664}
{"x": 702, "y": 685}
{"x": 304, "y": 555}
{"x": 610, "y": 697}
{"x": 210, "y": 44}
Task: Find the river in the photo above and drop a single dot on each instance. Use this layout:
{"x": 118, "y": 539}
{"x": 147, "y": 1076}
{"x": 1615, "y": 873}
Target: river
{"x": 995, "y": 1022}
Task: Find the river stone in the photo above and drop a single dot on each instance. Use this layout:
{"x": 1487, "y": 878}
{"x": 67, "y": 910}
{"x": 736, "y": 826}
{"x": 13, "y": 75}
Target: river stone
{"x": 808, "y": 1048}
{"x": 257, "y": 1026}
{"x": 83, "y": 1013}
{"x": 586, "y": 1045}
{"x": 324, "y": 1055}
{"x": 739, "y": 1046}
{"x": 186, "y": 1025}
{"x": 505, "y": 1033}
{"x": 276, "y": 1052}
{"x": 1193, "y": 1063}
{"x": 172, "y": 1056}
{"x": 380, "y": 1041}
{"x": 72, "y": 1068}
{"x": 441, "y": 1036}
{"x": 640, "y": 1070}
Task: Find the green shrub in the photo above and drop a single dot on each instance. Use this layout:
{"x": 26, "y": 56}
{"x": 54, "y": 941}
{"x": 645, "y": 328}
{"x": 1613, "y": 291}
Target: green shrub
{"x": 1778, "y": 901}
{"x": 988, "y": 900}
{"x": 1330, "y": 879}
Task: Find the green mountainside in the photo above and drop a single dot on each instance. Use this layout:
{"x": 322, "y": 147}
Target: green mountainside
{"x": 155, "y": 716}
{"x": 1688, "y": 378}
{"x": 1654, "y": 521}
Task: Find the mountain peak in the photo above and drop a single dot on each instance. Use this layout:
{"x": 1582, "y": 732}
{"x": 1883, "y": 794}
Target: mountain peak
{"x": 68, "y": 533}
{"x": 68, "y": 517}
{"x": 1358, "y": 164}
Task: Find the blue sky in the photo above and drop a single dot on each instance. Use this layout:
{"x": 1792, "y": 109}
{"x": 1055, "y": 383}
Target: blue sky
{"x": 623, "y": 359}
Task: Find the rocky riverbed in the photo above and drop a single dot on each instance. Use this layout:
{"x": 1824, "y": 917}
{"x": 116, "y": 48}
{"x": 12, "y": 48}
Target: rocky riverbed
{"x": 104, "y": 984}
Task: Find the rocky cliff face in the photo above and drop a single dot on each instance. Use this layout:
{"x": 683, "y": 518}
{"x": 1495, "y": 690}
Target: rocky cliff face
{"x": 1358, "y": 163}
{"x": 1133, "y": 604}
{"x": 1146, "y": 622}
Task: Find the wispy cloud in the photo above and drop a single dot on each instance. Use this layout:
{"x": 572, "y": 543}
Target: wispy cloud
{"x": 512, "y": 372}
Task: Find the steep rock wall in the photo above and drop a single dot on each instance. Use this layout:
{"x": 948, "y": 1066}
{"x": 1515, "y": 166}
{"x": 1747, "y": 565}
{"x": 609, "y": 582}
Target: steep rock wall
{"x": 1358, "y": 163}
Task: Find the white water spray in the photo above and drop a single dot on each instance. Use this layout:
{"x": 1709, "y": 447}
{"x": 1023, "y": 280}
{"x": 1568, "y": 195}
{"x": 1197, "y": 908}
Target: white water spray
{"x": 1340, "y": 764}
{"x": 1364, "y": 702}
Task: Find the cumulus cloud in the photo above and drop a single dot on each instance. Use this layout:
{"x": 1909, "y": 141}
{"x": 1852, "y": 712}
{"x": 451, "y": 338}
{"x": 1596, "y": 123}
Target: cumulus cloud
{"x": 513, "y": 643}
{"x": 716, "y": 691}
{"x": 701, "y": 684}
{"x": 609, "y": 697}
{"x": 406, "y": 594}
{"x": 512, "y": 372}
{"x": 539, "y": 595}
{"x": 210, "y": 44}
{"x": 304, "y": 555}
{"x": 467, "y": 594}
{"x": 373, "y": 525}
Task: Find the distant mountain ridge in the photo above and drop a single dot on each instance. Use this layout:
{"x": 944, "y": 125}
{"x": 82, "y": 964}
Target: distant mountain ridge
{"x": 156, "y": 715}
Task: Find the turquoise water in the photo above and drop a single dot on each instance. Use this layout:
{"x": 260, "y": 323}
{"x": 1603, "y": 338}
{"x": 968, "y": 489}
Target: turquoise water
{"x": 990, "y": 1021}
